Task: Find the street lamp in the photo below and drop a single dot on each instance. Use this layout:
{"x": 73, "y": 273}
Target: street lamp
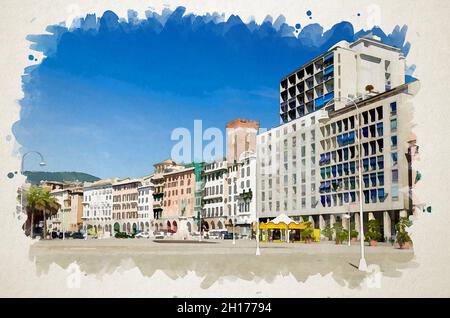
{"x": 324, "y": 118}
{"x": 42, "y": 163}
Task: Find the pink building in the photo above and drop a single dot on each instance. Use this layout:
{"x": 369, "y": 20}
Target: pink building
{"x": 179, "y": 198}
{"x": 125, "y": 204}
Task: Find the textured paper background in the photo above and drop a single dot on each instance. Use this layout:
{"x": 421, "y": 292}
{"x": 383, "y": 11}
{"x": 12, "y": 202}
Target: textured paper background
{"x": 428, "y": 24}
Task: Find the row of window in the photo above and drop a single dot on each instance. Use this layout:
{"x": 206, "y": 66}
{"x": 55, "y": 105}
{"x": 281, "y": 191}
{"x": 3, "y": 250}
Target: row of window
{"x": 125, "y": 197}
{"x": 88, "y": 198}
{"x": 99, "y": 213}
{"x": 347, "y": 168}
{"x": 169, "y": 193}
{"x": 125, "y": 206}
{"x": 125, "y": 215}
{"x": 128, "y": 186}
{"x": 175, "y": 202}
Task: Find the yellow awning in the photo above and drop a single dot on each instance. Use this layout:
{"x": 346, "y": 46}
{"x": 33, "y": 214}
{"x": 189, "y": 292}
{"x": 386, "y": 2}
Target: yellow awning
{"x": 282, "y": 226}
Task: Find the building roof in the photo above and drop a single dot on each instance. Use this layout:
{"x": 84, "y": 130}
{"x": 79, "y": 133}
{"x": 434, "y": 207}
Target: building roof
{"x": 166, "y": 162}
{"x": 100, "y": 183}
{"x": 378, "y": 97}
{"x": 283, "y": 218}
{"x": 245, "y": 123}
{"x": 126, "y": 181}
{"x": 185, "y": 169}
{"x": 344, "y": 45}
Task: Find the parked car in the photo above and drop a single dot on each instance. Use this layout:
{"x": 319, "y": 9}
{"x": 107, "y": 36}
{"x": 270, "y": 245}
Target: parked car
{"x": 142, "y": 235}
{"x": 78, "y": 235}
{"x": 54, "y": 235}
{"x": 228, "y": 236}
{"x": 159, "y": 235}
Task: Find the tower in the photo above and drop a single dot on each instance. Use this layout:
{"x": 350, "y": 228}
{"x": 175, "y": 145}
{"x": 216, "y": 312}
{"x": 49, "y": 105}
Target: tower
{"x": 241, "y": 137}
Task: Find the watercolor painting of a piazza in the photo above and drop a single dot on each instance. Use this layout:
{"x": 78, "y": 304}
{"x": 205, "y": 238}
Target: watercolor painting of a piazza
{"x": 219, "y": 144}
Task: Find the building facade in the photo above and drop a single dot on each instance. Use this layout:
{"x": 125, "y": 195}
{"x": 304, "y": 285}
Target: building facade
{"x": 214, "y": 196}
{"x": 246, "y": 200}
{"x": 309, "y": 170}
{"x": 125, "y": 205}
{"x": 97, "y": 206}
{"x": 179, "y": 199}
{"x": 145, "y": 205}
{"x": 346, "y": 70}
{"x": 158, "y": 183}
{"x": 241, "y": 138}
{"x": 69, "y": 216}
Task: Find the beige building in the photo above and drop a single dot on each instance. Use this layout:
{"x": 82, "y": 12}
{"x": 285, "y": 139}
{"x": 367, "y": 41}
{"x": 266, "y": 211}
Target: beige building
{"x": 69, "y": 216}
{"x": 158, "y": 184}
{"x": 309, "y": 170}
{"x": 308, "y": 167}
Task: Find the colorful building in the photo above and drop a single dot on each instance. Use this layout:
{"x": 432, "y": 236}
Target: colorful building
{"x": 125, "y": 205}
{"x": 179, "y": 198}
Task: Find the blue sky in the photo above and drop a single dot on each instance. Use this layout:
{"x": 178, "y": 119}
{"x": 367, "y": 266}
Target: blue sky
{"x": 110, "y": 91}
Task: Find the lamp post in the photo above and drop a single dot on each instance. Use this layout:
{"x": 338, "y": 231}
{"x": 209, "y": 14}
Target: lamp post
{"x": 42, "y": 163}
{"x": 324, "y": 119}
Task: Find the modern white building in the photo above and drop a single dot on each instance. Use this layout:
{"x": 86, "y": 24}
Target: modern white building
{"x": 97, "y": 206}
{"x": 309, "y": 170}
{"x": 145, "y": 205}
{"x": 345, "y": 70}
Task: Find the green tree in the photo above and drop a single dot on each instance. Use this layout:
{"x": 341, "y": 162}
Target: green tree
{"x": 35, "y": 203}
{"x": 402, "y": 235}
{"x": 51, "y": 207}
{"x": 328, "y": 232}
{"x": 353, "y": 231}
{"x": 307, "y": 233}
{"x": 373, "y": 230}
{"x": 39, "y": 201}
{"x": 341, "y": 234}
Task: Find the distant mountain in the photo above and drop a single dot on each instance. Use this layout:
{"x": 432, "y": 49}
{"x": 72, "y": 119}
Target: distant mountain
{"x": 34, "y": 177}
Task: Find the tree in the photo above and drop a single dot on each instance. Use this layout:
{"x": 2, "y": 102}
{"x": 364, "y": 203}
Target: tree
{"x": 373, "y": 230}
{"x": 328, "y": 233}
{"x": 51, "y": 206}
{"x": 35, "y": 200}
{"x": 402, "y": 235}
{"x": 340, "y": 234}
{"x": 40, "y": 200}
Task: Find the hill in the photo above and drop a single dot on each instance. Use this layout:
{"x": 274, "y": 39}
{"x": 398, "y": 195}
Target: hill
{"x": 34, "y": 177}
